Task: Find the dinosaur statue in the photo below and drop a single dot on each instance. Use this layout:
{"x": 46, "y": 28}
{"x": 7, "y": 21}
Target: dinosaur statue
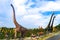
{"x": 18, "y": 28}
{"x": 50, "y": 25}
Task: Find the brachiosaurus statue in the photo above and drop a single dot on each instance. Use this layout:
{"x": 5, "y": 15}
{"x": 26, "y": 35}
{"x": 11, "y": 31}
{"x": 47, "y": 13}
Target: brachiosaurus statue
{"x": 50, "y": 25}
{"x": 18, "y": 28}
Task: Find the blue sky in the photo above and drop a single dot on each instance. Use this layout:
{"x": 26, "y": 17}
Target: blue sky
{"x": 29, "y": 13}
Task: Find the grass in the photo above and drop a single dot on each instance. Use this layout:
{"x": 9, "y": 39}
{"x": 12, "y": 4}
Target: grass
{"x": 44, "y": 37}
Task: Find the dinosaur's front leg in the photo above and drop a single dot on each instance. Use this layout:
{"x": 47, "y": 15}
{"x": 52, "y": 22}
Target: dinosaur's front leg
{"x": 15, "y": 33}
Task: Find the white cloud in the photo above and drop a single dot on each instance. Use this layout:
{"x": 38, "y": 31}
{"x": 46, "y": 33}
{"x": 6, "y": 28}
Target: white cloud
{"x": 47, "y": 6}
{"x": 42, "y": 6}
{"x": 51, "y": 6}
{"x": 37, "y": 20}
{"x": 19, "y": 7}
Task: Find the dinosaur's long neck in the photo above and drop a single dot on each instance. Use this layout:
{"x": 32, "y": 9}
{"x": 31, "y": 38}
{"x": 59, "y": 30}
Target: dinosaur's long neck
{"x": 14, "y": 19}
{"x": 50, "y": 20}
